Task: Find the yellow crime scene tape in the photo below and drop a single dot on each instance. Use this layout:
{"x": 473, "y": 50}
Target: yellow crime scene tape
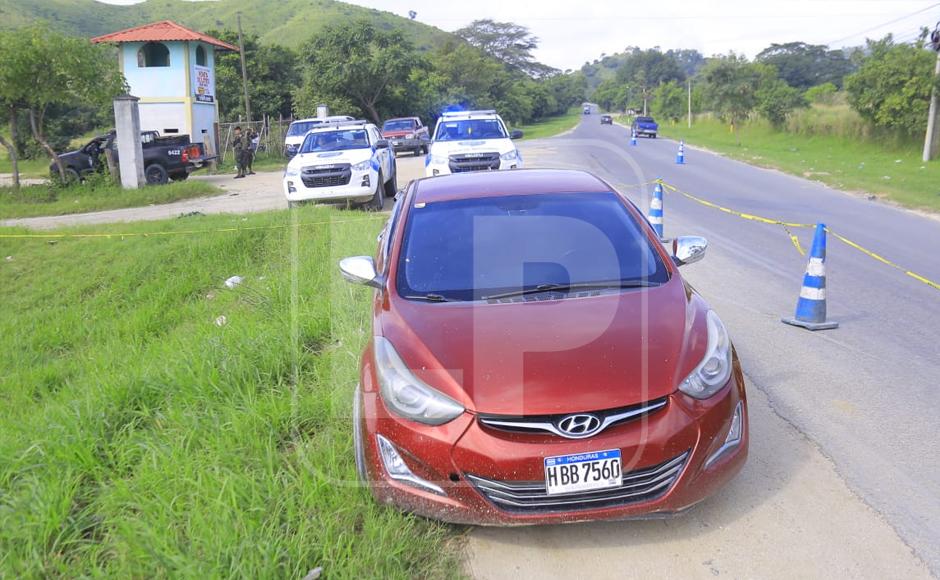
{"x": 796, "y": 242}
{"x": 184, "y": 232}
{"x": 668, "y": 187}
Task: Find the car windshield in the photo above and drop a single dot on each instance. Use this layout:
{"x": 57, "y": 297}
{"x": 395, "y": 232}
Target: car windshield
{"x": 469, "y": 249}
{"x": 399, "y": 125}
{"x": 335, "y": 141}
{"x": 467, "y": 129}
{"x": 299, "y": 128}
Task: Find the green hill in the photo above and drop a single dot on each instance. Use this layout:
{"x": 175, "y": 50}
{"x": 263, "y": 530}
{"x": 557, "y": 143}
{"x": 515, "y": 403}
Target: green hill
{"x": 287, "y": 22}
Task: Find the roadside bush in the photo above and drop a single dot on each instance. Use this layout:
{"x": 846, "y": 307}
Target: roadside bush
{"x": 776, "y": 100}
{"x": 824, "y": 94}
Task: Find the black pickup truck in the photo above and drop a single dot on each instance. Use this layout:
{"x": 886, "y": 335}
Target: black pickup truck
{"x": 165, "y": 158}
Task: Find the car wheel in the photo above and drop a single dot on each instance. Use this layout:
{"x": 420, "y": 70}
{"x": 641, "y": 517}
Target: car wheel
{"x": 378, "y": 200}
{"x": 156, "y": 174}
{"x": 391, "y": 186}
{"x": 71, "y": 176}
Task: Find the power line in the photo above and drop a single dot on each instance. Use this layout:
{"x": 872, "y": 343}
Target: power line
{"x": 866, "y": 31}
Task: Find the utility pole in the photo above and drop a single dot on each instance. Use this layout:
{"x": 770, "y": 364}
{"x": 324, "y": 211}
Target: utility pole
{"x": 690, "y": 103}
{"x": 241, "y": 51}
{"x": 932, "y": 139}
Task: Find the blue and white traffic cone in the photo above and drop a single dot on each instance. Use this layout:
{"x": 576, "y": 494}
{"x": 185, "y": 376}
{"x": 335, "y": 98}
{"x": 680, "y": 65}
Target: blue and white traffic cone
{"x": 656, "y": 210}
{"x": 680, "y": 156}
{"x": 811, "y": 307}
{"x": 633, "y": 138}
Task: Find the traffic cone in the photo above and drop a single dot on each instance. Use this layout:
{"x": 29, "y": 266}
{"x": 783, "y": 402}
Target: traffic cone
{"x": 680, "y": 156}
{"x": 656, "y": 210}
{"x": 811, "y": 307}
{"x": 633, "y": 138}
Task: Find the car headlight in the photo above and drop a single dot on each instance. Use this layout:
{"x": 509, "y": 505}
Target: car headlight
{"x": 410, "y": 136}
{"x": 436, "y": 159}
{"x": 291, "y": 172}
{"x": 362, "y": 165}
{"x": 715, "y": 369}
{"x": 510, "y": 155}
{"x": 407, "y": 395}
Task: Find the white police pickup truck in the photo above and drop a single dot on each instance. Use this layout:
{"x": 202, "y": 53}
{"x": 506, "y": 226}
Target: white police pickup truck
{"x": 471, "y": 141}
{"x": 343, "y": 161}
{"x": 298, "y": 130}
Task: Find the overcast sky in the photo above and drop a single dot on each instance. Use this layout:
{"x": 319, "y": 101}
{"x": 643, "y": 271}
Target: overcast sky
{"x": 574, "y": 31}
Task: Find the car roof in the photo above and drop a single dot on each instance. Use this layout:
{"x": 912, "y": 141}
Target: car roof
{"x": 324, "y": 119}
{"x": 339, "y": 126}
{"x": 511, "y": 182}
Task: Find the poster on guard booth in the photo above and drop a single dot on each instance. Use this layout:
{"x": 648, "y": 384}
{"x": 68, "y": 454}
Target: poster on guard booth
{"x": 203, "y": 84}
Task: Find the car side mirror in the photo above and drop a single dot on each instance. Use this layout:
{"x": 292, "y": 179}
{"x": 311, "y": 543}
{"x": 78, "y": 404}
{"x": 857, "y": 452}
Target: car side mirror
{"x": 515, "y": 134}
{"x": 381, "y": 144}
{"x": 361, "y": 270}
{"x": 688, "y": 249}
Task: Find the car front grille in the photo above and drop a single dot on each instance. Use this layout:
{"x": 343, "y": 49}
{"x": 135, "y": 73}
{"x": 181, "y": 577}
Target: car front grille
{"x": 326, "y": 175}
{"x": 541, "y": 424}
{"x": 636, "y": 486}
{"x": 473, "y": 162}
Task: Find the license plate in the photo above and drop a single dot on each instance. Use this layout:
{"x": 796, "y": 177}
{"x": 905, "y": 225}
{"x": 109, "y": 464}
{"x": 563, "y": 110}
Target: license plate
{"x": 582, "y": 472}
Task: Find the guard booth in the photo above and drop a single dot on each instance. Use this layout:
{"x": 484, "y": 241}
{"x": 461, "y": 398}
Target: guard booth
{"x": 171, "y": 69}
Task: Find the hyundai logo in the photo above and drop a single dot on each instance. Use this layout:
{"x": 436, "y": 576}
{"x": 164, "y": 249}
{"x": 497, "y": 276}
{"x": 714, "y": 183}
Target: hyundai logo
{"x": 579, "y": 425}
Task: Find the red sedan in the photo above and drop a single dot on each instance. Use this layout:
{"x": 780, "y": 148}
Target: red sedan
{"x": 536, "y": 357}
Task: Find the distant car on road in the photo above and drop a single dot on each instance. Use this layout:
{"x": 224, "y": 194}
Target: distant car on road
{"x": 407, "y": 134}
{"x": 450, "y": 424}
{"x": 607, "y": 120}
{"x": 587, "y": 110}
{"x": 165, "y": 157}
{"x": 645, "y": 126}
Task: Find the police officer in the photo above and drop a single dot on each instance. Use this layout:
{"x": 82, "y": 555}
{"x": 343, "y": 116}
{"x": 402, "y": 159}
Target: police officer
{"x": 238, "y": 145}
{"x": 253, "y": 140}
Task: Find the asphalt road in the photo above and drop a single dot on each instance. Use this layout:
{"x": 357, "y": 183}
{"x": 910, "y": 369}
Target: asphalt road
{"x": 864, "y": 395}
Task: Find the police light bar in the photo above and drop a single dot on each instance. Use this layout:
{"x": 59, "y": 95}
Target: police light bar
{"x": 468, "y": 113}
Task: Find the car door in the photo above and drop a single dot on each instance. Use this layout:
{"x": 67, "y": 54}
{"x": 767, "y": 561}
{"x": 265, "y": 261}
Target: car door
{"x": 385, "y": 155}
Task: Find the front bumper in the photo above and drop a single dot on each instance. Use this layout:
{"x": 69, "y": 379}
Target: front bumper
{"x": 458, "y": 456}
{"x": 432, "y": 169}
{"x": 402, "y": 144}
{"x": 295, "y": 190}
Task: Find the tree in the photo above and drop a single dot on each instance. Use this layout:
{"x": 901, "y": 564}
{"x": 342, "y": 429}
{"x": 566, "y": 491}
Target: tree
{"x": 57, "y": 70}
{"x": 892, "y": 87}
{"x": 824, "y": 94}
{"x": 508, "y": 43}
{"x": 804, "y": 65}
{"x": 644, "y": 70}
{"x": 776, "y": 99}
{"x": 670, "y": 101}
{"x": 356, "y": 66}
{"x": 272, "y": 74}
{"x": 13, "y": 87}
{"x": 730, "y": 89}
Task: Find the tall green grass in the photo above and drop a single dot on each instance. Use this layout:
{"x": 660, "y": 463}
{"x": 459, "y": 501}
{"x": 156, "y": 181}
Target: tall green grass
{"x": 830, "y": 145}
{"x": 140, "y": 436}
{"x": 51, "y": 198}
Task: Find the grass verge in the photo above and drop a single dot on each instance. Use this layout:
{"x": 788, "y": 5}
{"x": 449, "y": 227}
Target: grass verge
{"x": 874, "y": 166}
{"x": 142, "y": 436}
{"x": 29, "y": 168}
{"x": 551, "y": 126}
{"x": 51, "y": 199}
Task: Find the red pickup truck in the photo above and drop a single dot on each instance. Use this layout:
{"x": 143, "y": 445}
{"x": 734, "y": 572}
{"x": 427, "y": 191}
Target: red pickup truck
{"x": 407, "y": 133}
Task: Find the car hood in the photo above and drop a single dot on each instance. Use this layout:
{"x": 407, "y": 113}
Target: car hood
{"x": 351, "y": 156}
{"x": 472, "y": 146}
{"x": 394, "y": 134}
{"x": 554, "y": 356}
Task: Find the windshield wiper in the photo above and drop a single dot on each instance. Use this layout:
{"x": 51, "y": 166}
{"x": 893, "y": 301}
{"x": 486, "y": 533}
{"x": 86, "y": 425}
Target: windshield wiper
{"x": 430, "y": 297}
{"x": 598, "y": 285}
